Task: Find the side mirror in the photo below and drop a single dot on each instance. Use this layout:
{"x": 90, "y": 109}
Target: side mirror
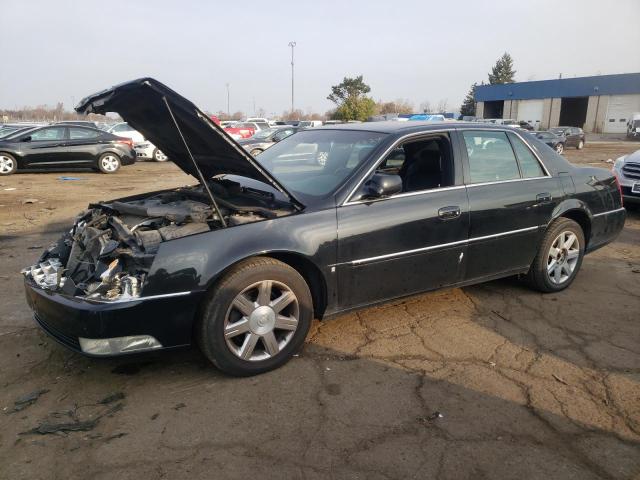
{"x": 381, "y": 185}
{"x": 26, "y": 139}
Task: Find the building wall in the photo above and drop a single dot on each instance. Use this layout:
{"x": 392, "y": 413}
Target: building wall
{"x": 510, "y": 109}
{"x": 596, "y": 113}
{"x": 480, "y": 110}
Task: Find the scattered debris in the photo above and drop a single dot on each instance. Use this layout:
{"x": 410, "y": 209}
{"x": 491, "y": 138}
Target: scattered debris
{"x": 116, "y": 436}
{"x": 434, "y": 416}
{"x": 492, "y": 364}
{"x": 9, "y": 189}
{"x": 27, "y": 400}
{"x": 114, "y": 397}
{"x": 179, "y": 406}
{"x": 29, "y": 200}
{"x": 70, "y": 178}
{"x": 45, "y": 428}
{"x": 154, "y": 416}
{"x": 559, "y": 379}
{"x": 609, "y": 160}
{"x": 35, "y": 247}
{"x": 635, "y": 270}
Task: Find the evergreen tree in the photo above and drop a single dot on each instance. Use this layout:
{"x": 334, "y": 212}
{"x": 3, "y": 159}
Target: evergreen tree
{"x": 502, "y": 71}
{"x": 468, "y": 108}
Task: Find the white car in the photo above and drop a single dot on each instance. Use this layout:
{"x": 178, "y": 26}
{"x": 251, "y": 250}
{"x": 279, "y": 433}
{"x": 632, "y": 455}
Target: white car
{"x": 144, "y": 150}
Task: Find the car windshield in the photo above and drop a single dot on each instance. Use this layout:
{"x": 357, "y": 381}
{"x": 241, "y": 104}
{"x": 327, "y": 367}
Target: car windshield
{"x": 314, "y": 163}
{"x": 543, "y": 134}
{"x": 557, "y": 131}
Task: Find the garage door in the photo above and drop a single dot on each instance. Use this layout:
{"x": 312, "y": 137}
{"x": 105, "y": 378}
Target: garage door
{"x": 530, "y": 111}
{"x": 618, "y": 112}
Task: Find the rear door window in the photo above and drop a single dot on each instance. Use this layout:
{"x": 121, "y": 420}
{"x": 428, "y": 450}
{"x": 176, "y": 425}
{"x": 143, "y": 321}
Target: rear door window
{"x": 529, "y": 164}
{"x": 82, "y": 133}
{"x": 491, "y": 158}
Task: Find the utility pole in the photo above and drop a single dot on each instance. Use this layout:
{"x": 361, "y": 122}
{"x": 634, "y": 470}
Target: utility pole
{"x": 228, "y": 110}
{"x": 292, "y": 45}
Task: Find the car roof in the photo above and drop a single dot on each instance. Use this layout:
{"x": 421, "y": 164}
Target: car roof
{"x": 411, "y": 126}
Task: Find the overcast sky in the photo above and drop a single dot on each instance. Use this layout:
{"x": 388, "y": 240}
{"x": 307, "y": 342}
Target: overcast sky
{"x": 417, "y": 50}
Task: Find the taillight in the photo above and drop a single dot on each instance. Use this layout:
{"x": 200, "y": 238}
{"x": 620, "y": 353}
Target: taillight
{"x": 619, "y": 189}
{"x": 126, "y": 141}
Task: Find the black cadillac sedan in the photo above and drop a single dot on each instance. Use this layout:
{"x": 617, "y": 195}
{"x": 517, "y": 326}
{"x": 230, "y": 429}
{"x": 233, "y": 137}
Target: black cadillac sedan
{"x": 61, "y": 146}
{"x": 241, "y": 262}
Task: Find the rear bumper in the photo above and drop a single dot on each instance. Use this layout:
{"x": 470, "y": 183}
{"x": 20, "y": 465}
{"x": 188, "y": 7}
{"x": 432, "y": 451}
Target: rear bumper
{"x": 168, "y": 318}
{"x": 129, "y": 158}
{"x": 605, "y": 227}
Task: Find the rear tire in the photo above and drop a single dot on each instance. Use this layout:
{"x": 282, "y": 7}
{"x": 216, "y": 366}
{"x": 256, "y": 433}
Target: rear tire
{"x": 255, "y": 152}
{"x": 580, "y": 145}
{"x": 255, "y": 318}
{"x": 559, "y": 148}
{"x": 8, "y": 164}
{"x": 559, "y": 257}
{"x": 158, "y": 156}
{"x": 109, "y": 163}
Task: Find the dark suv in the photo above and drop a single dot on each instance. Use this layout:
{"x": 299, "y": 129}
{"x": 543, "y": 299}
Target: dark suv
{"x": 574, "y": 135}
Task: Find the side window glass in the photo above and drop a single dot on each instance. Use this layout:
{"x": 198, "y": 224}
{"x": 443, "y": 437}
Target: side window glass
{"x": 491, "y": 158}
{"x": 81, "y": 133}
{"x": 48, "y": 134}
{"x": 528, "y": 162}
{"x": 394, "y": 161}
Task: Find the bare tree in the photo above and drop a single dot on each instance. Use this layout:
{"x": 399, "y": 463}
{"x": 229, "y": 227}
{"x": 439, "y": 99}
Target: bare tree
{"x": 426, "y": 106}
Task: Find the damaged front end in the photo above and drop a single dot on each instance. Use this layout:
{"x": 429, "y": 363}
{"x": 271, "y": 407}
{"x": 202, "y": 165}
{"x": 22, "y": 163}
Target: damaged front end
{"x": 108, "y": 253}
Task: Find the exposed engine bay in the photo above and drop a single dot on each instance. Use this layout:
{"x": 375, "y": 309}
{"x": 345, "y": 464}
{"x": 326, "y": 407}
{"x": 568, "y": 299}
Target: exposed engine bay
{"x": 107, "y": 254}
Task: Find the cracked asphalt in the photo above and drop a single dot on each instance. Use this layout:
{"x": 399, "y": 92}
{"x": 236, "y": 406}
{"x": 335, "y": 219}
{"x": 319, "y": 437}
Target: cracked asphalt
{"x": 491, "y": 381}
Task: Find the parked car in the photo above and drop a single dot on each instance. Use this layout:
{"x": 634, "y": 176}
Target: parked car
{"x": 277, "y": 123}
{"x": 7, "y": 129}
{"x": 627, "y": 170}
{"x": 549, "y": 138}
{"x": 310, "y": 123}
{"x": 228, "y": 123}
{"x": 243, "y": 129}
{"x": 633, "y": 126}
{"x": 58, "y": 146}
{"x": 145, "y": 150}
{"x": 263, "y": 139}
{"x": 241, "y": 262}
{"x": 148, "y": 151}
{"x": 80, "y": 123}
{"x": 574, "y": 136}
{"x": 525, "y": 125}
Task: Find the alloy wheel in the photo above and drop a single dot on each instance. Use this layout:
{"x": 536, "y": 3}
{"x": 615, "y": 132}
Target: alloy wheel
{"x": 261, "y": 320}
{"x": 559, "y": 148}
{"x": 159, "y": 156}
{"x": 563, "y": 257}
{"x": 6, "y": 164}
{"x": 110, "y": 163}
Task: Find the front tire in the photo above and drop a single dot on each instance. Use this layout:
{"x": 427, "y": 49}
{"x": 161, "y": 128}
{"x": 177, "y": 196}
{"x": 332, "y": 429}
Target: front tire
{"x": 255, "y": 152}
{"x": 8, "y": 164}
{"x": 109, "y": 163}
{"x": 559, "y": 148}
{"x": 256, "y": 317}
{"x": 559, "y": 257}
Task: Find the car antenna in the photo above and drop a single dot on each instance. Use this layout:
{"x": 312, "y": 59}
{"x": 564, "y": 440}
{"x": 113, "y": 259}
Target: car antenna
{"x": 202, "y": 180}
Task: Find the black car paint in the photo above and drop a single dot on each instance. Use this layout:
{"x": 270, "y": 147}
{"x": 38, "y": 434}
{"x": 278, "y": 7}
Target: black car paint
{"x": 65, "y": 152}
{"x": 358, "y": 253}
{"x": 551, "y": 141}
{"x": 573, "y": 135}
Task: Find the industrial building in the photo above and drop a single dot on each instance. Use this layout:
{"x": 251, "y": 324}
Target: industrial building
{"x": 599, "y": 104}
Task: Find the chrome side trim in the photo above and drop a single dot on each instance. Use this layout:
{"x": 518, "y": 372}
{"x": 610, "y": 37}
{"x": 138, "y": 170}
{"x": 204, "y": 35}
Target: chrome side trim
{"x": 609, "y": 212}
{"x": 471, "y": 185}
{"x": 360, "y": 261}
{"x": 408, "y": 194}
{"x": 139, "y": 299}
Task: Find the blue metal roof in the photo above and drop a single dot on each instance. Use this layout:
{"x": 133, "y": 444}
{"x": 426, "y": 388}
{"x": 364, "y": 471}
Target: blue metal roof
{"x": 621, "y": 84}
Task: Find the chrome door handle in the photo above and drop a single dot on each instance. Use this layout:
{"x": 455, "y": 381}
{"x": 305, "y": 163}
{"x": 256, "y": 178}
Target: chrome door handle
{"x": 448, "y": 213}
{"x": 543, "y": 197}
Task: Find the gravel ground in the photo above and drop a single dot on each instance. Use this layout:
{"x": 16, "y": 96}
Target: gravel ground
{"x": 490, "y": 381}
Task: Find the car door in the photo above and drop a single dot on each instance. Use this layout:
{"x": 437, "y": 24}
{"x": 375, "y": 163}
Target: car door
{"x": 572, "y": 138}
{"x": 45, "y": 146}
{"x": 406, "y": 243}
{"x": 511, "y": 198}
{"x": 82, "y": 145}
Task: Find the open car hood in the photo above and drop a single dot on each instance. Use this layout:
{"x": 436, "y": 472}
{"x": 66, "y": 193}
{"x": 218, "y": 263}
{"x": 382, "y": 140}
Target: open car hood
{"x": 141, "y": 103}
